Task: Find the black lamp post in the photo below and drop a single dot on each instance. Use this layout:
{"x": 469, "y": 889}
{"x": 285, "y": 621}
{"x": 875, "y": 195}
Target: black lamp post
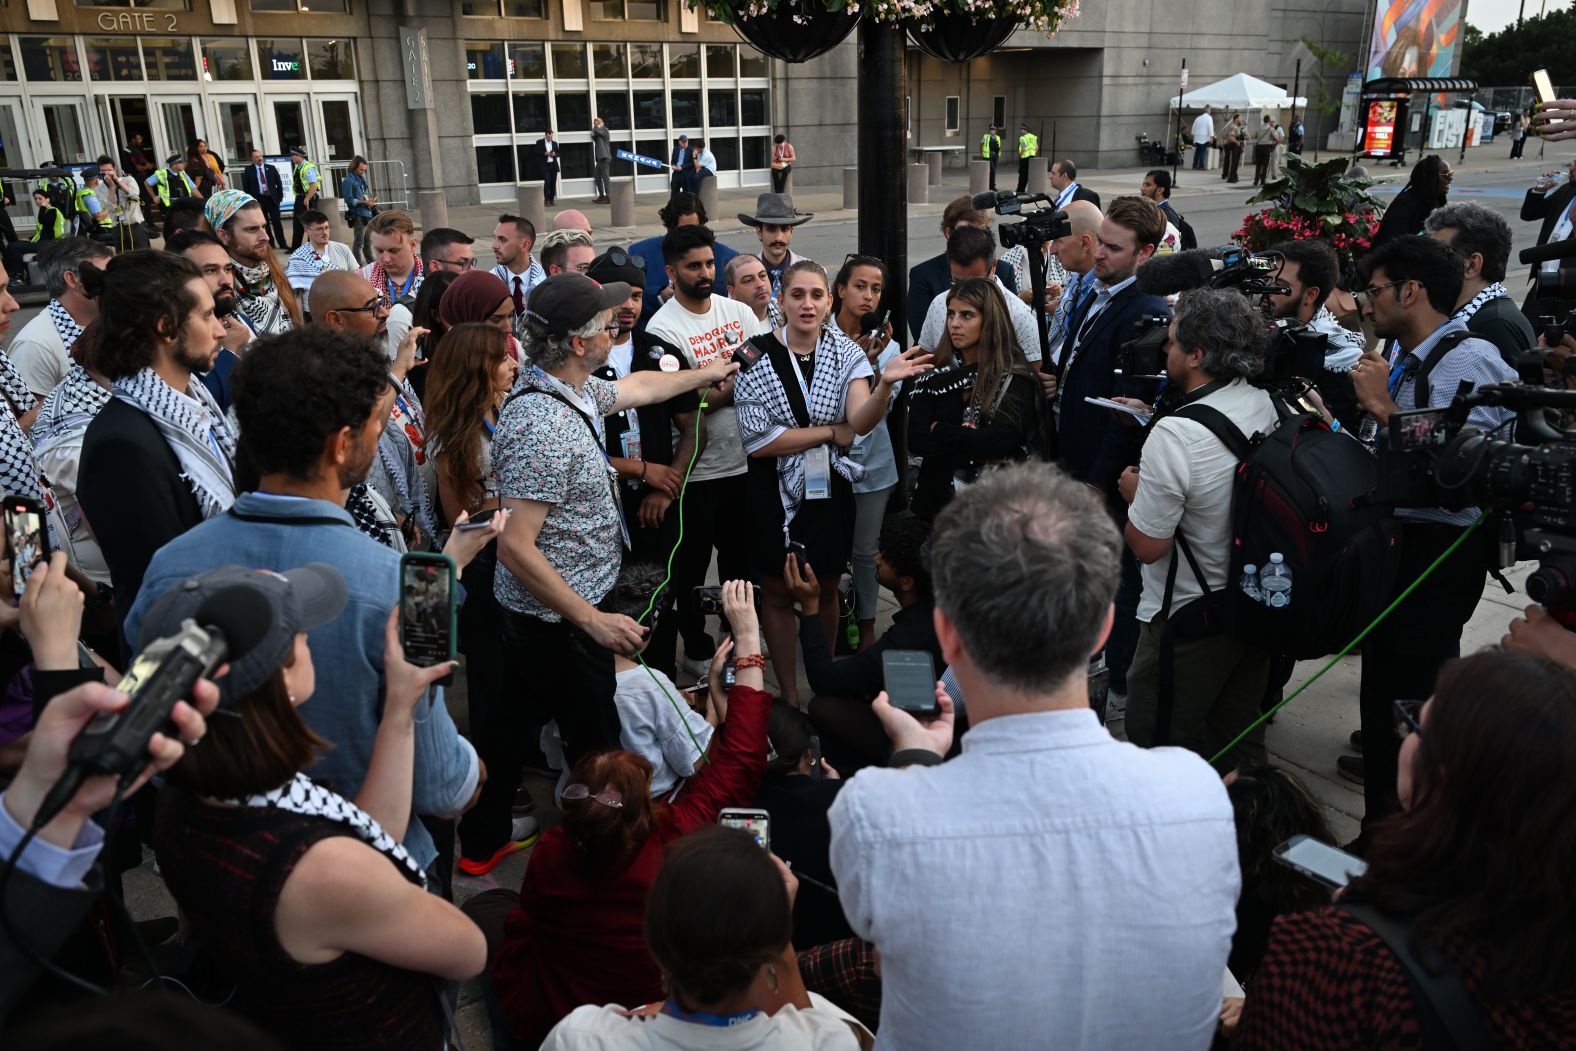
{"x": 883, "y": 171}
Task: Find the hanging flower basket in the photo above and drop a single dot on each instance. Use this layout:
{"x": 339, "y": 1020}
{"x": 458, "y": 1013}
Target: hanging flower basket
{"x": 792, "y": 30}
{"x": 960, "y": 38}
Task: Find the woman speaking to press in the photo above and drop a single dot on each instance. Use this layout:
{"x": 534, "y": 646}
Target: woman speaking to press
{"x": 799, "y": 409}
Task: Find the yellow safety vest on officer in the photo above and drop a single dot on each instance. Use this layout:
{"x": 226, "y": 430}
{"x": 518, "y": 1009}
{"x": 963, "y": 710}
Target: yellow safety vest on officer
{"x": 86, "y": 220}
{"x": 162, "y": 179}
{"x": 58, "y": 223}
{"x": 304, "y": 176}
{"x": 1028, "y": 145}
{"x": 990, "y": 146}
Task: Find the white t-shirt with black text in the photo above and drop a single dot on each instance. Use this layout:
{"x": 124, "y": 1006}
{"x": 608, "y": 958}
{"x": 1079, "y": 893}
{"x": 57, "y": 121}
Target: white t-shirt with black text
{"x": 703, "y": 339}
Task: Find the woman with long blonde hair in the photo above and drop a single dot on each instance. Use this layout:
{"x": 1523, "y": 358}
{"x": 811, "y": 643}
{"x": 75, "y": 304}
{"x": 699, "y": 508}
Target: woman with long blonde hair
{"x": 980, "y": 405}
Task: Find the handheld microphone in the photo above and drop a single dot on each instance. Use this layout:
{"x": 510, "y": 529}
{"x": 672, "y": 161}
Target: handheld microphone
{"x": 1553, "y": 250}
{"x": 225, "y": 627}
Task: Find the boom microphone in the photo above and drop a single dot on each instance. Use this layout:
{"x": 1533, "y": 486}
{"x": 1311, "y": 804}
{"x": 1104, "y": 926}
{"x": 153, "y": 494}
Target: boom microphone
{"x": 232, "y": 621}
{"x": 1553, "y": 250}
{"x": 1177, "y": 272}
{"x": 988, "y": 199}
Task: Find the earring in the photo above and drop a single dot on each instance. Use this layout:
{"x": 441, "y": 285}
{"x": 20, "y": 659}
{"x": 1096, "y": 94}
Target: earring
{"x": 771, "y": 978}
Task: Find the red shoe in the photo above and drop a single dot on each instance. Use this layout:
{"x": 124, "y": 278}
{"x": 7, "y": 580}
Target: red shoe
{"x": 523, "y": 834}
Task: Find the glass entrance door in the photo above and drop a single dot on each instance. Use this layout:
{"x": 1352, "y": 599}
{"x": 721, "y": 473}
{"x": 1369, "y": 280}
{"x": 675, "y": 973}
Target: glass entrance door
{"x": 65, "y": 127}
{"x": 237, "y": 130}
{"x": 129, "y": 116}
{"x": 179, "y": 121}
{"x": 13, "y": 140}
{"x": 340, "y": 133}
{"x": 290, "y": 125}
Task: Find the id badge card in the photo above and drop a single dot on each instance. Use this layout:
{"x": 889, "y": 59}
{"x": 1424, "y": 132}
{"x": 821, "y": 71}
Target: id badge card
{"x": 818, "y": 473}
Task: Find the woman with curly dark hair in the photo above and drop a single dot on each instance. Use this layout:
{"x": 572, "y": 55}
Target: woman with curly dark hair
{"x": 1476, "y": 877}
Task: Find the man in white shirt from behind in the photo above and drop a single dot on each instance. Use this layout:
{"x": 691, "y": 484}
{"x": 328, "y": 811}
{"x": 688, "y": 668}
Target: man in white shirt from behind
{"x": 41, "y": 352}
{"x": 971, "y": 252}
{"x": 1049, "y": 887}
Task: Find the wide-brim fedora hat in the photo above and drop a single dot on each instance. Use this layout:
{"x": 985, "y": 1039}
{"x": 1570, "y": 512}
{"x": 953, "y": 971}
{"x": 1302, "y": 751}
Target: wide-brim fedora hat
{"x": 775, "y": 209}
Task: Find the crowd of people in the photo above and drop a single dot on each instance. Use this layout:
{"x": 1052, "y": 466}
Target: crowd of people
{"x": 582, "y": 432}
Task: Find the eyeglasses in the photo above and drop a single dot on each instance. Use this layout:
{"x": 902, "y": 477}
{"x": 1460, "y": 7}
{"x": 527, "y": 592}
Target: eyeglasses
{"x": 462, "y": 266}
{"x": 1407, "y": 716}
{"x": 620, "y": 258}
{"x": 380, "y": 303}
{"x": 609, "y": 797}
{"x": 1368, "y": 293}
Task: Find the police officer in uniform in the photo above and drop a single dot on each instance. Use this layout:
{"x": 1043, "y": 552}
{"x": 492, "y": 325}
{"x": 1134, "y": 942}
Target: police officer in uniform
{"x": 1028, "y": 150}
{"x": 308, "y": 186}
{"x": 990, "y": 150}
{"x": 171, "y": 183}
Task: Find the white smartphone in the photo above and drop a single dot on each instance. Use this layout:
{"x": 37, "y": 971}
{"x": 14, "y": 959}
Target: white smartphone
{"x": 1542, "y": 86}
{"x": 1329, "y": 865}
{"x": 757, "y": 823}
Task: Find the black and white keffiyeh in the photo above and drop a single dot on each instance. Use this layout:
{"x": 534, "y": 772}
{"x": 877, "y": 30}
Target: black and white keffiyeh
{"x": 195, "y": 429}
{"x": 70, "y": 406}
{"x": 14, "y": 387}
{"x": 19, "y": 474}
{"x": 259, "y": 299}
{"x": 765, "y": 412}
{"x": 66, "y": 326}
{"x": 302, "y": 795}
{"x": 372, "y": 517}
{"x": 1494, "y": 291}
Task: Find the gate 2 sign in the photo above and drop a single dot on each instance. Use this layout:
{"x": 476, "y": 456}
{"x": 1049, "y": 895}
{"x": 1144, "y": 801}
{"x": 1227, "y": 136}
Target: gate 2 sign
{"x": 137, "y": 22}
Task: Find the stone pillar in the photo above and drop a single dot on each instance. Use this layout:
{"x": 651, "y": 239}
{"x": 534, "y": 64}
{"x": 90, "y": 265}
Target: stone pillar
{"x": 530, "y": 203}
{"x": 708, "y": 197}
{"x": 434, "y": 209}
{"x": 919, "y": 184}
{"x": 979, "y": 176}
{"x": 1039, "y": 175}
{"x": 788, "y": 182}
{"x": 850, "y": 189}
{"x": 934, "y": 160}
{"x": 623, "y": 203}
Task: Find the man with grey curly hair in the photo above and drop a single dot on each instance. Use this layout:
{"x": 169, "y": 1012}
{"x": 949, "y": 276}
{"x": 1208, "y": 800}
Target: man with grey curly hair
{"x": 1481, "y": 237}
{"x": 1044, "y": 830}
{"x": 1180, "y": 495}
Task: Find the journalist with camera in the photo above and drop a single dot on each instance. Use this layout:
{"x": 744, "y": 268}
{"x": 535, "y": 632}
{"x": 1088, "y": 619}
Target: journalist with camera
{"x": 1411, "y": 286}
{"x": 1309, "y": 272}
{"x": 1480, "y": 236}
{"x": 1180, "y": 494}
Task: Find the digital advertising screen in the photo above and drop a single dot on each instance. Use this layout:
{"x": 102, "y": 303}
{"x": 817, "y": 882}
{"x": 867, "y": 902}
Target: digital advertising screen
{"x": 1415, "y": 38}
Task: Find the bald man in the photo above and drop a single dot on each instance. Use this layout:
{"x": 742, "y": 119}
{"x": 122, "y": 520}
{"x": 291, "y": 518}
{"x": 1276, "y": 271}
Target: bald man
{"x": 1076, "y": 254}
{"x": 346, "y": 302}
{"x": 572, "y": 219}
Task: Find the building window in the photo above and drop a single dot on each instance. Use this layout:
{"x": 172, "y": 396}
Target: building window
{"x": 757, "y": 148}
{"x": 629, "y": 10}
{"x": 495, "y": 164}
{"x": 169, "y": 59}
{"x": 574, "y": 110}
{"x": 331, "y": 59}
{"x": 613, "y": 108}
{"x": 49, "y": 58}
{"x": 726, "y": 149}
{"x": 528, "y": 61}
{"x": 530, "y": 114}
{"x": 574, "y": 160}
{"x": 280, "y": 60}
{"x": 146, "y": 5}
{"x": 508, "y": 8}
{"x": 7, "y": 71}
{"x": 752, "y": 107}
{"x": 609, "y": 61}
{"x": 684, "y": 61}
{"x": 752, "y": 63}
{"x": 490, "y": 114}
{"x": 721, "y": 61}
{"x": 226, "y": 58}
{"x": 650, "y": 111}
{"x": 114, "y": 58}
{"x": 722, "y": 108}
{"x": 484, "y": 60}
{"x": 569, "y": 61}
{"x": 313, "y": 7}
{"x": 686, "y": 109}
{"x": 952, "y": 114}
{"x": 998, "y": 111}
{"x": 645, "y": 61}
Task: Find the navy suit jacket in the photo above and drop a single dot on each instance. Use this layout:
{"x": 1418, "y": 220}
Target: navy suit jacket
{"x": 273, "y": 193}
{"x": 650, "y": 249}
{"x": 1093, "y": 446}
{"x": 929, "y": 279}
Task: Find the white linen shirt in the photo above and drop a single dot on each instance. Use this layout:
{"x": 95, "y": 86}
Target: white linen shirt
{"x": 1051, "y": 887}
{"x": 934, "y": 330}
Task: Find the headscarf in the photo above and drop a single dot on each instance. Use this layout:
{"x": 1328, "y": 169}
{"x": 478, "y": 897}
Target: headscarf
{"x": 224, "y": 204}
{"x": 473, "y": 296}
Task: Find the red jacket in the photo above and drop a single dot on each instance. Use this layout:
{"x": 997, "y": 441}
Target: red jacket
{"x": 577, "y": 937}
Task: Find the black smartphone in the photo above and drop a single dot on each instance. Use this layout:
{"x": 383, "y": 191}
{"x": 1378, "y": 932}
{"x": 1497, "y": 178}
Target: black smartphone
{"x": 910, "y": 681}
{"x": 1329, "y": 865}
{"x": 757, "y": 823}
{"x": 26, "y": 529}
{"x": 427, "y": 608}
{"x": 708, "y": 598}
{"x": 802, "y": 556}
{"x": 817, "y": 769}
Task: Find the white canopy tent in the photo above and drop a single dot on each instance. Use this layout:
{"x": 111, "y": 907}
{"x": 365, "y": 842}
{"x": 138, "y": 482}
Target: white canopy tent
{"x": 1239, "y": 92}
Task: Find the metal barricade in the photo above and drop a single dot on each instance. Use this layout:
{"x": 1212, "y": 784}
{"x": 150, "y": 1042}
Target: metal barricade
{"x": 386, "y": 180}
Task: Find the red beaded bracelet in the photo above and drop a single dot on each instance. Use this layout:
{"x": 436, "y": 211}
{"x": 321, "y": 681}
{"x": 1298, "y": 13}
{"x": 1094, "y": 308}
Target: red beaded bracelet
{"x": 754, "y": 660}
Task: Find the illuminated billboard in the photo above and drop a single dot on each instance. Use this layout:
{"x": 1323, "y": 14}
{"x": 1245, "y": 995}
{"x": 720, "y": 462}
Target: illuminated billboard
{"x": 1415, "y": 38}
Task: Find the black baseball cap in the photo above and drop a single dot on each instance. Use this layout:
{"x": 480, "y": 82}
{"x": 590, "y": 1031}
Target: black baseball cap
{"x": 299, "y": 600}
{"x": 566, "y": 301}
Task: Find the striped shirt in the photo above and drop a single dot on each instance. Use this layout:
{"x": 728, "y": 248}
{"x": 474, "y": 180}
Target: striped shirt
{"x": 1476, "y": 360}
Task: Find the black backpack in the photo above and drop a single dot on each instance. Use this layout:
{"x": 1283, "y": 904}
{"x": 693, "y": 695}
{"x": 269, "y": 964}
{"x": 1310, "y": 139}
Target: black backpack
{"x": 1301, "y": 490}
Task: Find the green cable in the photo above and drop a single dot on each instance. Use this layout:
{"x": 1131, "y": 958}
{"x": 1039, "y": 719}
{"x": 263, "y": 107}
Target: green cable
{"x": 640, "y": 656}
{"x": 1351, "y": 645}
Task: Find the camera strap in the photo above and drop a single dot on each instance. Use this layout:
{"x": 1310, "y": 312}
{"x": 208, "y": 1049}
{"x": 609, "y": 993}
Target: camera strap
{"x": 1420, "y": 389}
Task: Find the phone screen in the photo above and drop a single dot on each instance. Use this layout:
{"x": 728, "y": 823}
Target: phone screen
{"x": 24, "y": 527}
{"x": 910, "y": 681}
{"x": 1542, "y": 86}
{"x": 757, "y": 823}
{"x": 426, "y": 610}
{"x": 1329, "y": 865}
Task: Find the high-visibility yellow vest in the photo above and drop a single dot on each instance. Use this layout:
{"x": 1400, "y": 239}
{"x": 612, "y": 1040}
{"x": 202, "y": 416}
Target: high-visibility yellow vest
{"x": 87, "y": 217}
{"x": 303, "y": 175}
{"x": 161, "y": 185}
{"x": 58, "y": 223}
{"x": 990, "y": 145}
{"x": 1028, "y": 145}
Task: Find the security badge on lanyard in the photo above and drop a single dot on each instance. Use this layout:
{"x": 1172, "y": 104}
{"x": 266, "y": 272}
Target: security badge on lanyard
{"x": 818, "y": 460}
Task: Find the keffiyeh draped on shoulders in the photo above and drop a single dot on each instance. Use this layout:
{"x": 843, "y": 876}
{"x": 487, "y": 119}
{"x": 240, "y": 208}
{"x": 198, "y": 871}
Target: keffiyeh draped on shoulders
{"x": 196, "y": 431}
{"x": 765, "y": 411}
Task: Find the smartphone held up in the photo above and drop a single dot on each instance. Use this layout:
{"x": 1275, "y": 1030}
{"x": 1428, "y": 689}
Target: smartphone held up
{"x": 428, "y": 608}
{"x": 28, "y": 535}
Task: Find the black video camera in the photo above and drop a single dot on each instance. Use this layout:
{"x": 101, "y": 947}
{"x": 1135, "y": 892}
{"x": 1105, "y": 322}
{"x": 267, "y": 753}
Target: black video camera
{"x": 1036, "y": 228}
{"x": 1432, "y": 459}
{"x": 1144, "y": 356}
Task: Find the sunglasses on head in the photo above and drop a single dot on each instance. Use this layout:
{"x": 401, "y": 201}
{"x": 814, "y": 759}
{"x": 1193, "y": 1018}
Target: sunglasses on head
{"x": 620, "y": 258}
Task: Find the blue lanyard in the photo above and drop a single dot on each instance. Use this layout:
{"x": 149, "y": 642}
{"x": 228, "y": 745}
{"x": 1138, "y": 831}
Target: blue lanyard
{"x": 1398, "y": 373}
{"x": 672, "y": 1010}
{"x": 408, "y": 279}
{"x": 489, "y": 426}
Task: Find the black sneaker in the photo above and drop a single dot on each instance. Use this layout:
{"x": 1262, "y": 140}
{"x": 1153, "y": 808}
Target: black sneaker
{"x": 1357, "y": 741}
{"x": 523, "y": 803}
{"x": 1351, "y": 768}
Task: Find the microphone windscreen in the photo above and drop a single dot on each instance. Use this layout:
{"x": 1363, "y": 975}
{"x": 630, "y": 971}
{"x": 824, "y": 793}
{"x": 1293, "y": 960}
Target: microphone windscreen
{"x": 984, "y": 201}
{"x": 868, "y": 323}
{"x": 242, "y": 614}
{"x": 1176, "y": 272}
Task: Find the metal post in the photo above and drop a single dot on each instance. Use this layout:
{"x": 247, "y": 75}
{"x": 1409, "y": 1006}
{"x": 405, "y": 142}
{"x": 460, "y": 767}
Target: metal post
{"x": 883, "y": 198}
{"x": 1176, "y": 135}
{"x": 1296, "y": 82}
